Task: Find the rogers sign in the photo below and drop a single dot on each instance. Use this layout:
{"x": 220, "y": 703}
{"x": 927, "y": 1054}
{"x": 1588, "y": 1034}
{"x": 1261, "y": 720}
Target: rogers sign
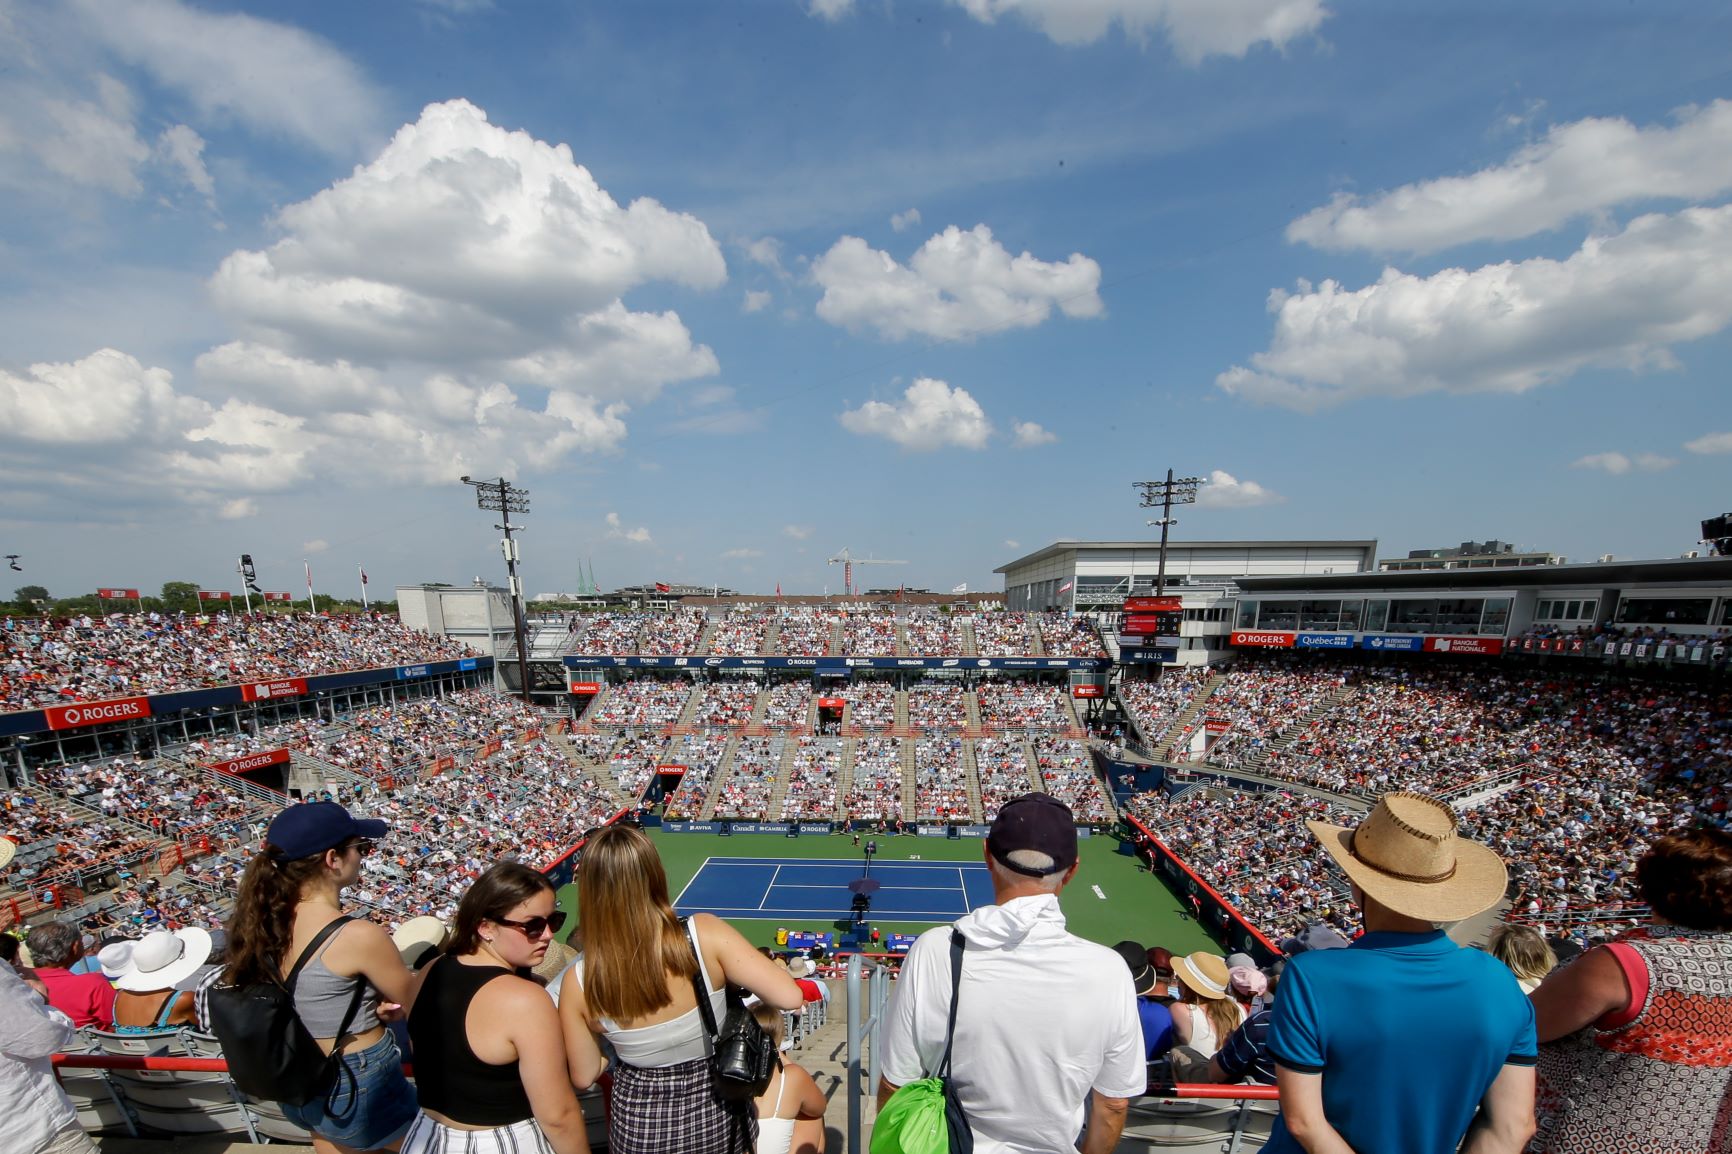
{"x": 251, "y": 761}
{"x": 96, "y": 712}
{"x": 1264, "y": 640}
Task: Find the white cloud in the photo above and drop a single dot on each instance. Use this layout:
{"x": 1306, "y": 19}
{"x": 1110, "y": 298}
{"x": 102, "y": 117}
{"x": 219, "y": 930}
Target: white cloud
{"x": 765, "y": 251}
{"x": 618, "y": 531}
{"x": 107, "y": 398}
{"x": 1619, "y": 301}
{"x": 316, "y": 545}
{"x": 831, "y": 10}
{"x": 797, "y": 532}
{"x": 1027, "y": 434}
{"x": 1224, "y": 491}
{"x": 267, "y": 76}
{"x": 1195, "y": 30}
{"x": 930, "y": 416}
{"x": 959, "y": 285}
{"x": 183, "y": 149}
{"x": 741, "y": 554}
{"x": 470, "y": 247}
{"x": 1617, "y": 464}
{"x": 1012, "y": 544}
{"x": 1711, "y": 443}
{"x": 903, "y": 221}
{"x": 238, "y": 508}
{"x": 1576, "y": 170}
{"x": 92, "y": 143}
{"x": 755, "y": 301}
{"x": 292, "y": 383}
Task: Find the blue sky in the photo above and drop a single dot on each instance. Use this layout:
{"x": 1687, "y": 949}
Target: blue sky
{"x": 731, "y": 286}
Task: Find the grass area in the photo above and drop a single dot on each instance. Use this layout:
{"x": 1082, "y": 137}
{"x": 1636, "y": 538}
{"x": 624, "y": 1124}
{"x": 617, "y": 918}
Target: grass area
{"x": 1136, "y": 905}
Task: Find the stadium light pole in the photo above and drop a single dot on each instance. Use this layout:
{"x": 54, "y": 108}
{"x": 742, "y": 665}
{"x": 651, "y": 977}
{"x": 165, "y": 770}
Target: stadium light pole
{"x": 500, "y": 496}
{"x": 1166, "y": 494}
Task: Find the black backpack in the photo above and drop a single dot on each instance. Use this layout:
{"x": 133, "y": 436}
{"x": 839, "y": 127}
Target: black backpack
{"x": 270, "y": 1053}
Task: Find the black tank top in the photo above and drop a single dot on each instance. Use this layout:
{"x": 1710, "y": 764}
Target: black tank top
{"x": 449, "y": 1077}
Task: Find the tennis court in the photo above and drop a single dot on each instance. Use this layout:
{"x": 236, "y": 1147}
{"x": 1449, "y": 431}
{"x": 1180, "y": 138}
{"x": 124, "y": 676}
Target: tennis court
{"x": 809, "y": 889}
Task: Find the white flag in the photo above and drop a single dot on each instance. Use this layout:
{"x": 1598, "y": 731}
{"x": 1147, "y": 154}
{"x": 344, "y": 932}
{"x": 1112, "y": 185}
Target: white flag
{"x": 962, "y": 588}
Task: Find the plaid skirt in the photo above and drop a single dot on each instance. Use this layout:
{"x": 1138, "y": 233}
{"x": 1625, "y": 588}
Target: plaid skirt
{"x": 676, "y": 1110}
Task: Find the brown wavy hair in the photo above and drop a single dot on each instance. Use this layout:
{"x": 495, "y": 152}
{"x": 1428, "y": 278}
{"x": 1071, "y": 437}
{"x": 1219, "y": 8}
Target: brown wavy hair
{"x": 634, "y": 945}
{"x": 263, "y": 923}
{"x": 1686, "y": 878}
{"x": 507, "y": 885}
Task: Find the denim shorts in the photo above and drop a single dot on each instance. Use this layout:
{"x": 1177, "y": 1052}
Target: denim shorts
{"x": 371, "y": 1104}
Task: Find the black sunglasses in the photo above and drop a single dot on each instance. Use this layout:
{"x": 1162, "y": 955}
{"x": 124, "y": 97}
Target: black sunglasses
{"x": 534, "y": 927}
{"x": 363, "y": 846}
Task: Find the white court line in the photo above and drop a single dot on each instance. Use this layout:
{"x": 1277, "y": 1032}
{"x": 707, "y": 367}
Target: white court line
{"x": 735, "y": 912}
{"x": 816, "y": 886}
{"x": 769, "y": 887}
{"x": 1099, "y": 893}
{"x": 695, "y": 875}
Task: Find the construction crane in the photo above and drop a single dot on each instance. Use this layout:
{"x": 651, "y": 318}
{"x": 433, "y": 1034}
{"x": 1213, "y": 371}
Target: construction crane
{"x": 847, "y": 560}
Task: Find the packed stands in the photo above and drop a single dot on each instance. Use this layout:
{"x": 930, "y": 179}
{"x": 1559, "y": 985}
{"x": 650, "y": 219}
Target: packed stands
{"x": 604, "y": 633}
{"x": 811, "y": 791}
{"x": 875, "y": 793}
{"x": 740, "y": 633}
{"x": 725, "y": 703}
{"x": 632, "y": 763}
{"x": 869, "y": 634}
{"x": 746, "y": 791}
{"x": 45, "y": 662}
{"x": 936, "y": 705}
{"x": 1155, "y": 706}
{"x": 805, "y": 632}
{"x": 1001, "y": 764}
{"x": 1002, "y": 635}
{"x": 1008, "y": 704}
{"x": 643, "y": 702}
{"x": 1065, "y": 636}
{"x": 932, "y": 632}
{"x": 675, "y": 631}
{"x": 789, "y": 706}
{"x": 940, "y": 780}
{"x": 1067, "y": 771}
{"x": 871, "y": 704}
{"x": 701, "y": 754}
{"x": 385, "y": 738}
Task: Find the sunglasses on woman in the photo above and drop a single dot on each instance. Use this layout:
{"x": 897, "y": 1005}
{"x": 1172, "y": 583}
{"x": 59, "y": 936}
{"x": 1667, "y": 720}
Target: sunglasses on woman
{"x": 533, "y": 928}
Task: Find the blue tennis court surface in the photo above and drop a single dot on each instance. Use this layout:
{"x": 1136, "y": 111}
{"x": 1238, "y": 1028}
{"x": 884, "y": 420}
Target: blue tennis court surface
{"x": 808, "y": 889}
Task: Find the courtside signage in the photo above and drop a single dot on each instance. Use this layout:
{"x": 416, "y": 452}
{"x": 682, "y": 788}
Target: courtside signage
{"x": 118, "y": 594}
{"x": 239, "y": 765}
{"x": 1399, "y": 644}
{"x": 214, "y": 595}
{"x": 585, "y": 688}
{"x": 1475, "y": 645}
{"x": 277, "y": 596}
{"x": 404, "y": 672}
{"x": 96, "y": 712}
{"x": 1324, "y": 641}
{"x": 1086, "y": 691}
{"x": 1263, "y": 640}
{"x": 273, "y": 690}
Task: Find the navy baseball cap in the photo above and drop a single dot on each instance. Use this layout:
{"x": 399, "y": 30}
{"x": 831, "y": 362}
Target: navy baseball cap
{"x": 1034, "y": 821}
{"x": 316, "y": 826}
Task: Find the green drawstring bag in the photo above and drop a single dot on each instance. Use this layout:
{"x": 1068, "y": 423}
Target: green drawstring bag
{"x": 925, "y": 1117}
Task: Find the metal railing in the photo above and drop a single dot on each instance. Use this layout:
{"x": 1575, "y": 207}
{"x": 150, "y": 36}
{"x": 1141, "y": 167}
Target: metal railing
{"x": 873, "y": 980}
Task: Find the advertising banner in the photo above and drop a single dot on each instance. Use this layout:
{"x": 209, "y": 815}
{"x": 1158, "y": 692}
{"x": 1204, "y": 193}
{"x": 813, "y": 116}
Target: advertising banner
{"x": 1260, "y": 640}
{"x": 1392, "y": 644}
{"x": 466, "y": 664}
{"x": 118, "y": 594}
{"x": 273, "y": 596}
{"x": 671, "y": 770}
{"x": 274, "y": 690}
{"x": 1324, "y": 641}
{"x": 96, "y": 712}
{"x": 1148, "y": 656}
{"x": 1216, "y": 725}
{"x": 1154, "y": 604}
{"x": 832, "y": 703}
{"x": 214, "y": 595}
{"x": 240, "y": 765}
{"x": 834, "y": 665}
{"x": 405, "y": 672}
{"x": 1086, "y": 691}
{"x": 585, "y": 688}
{"x": 1476, "y": 645}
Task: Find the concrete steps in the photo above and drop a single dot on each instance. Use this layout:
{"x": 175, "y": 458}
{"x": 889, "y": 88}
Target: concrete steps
{"x": 971, "y": 780}
{"x": 1035, "y": 781}
{"x": 1187, "y": 717}
{"x": 723, "y": 768}
{"x": 910, "y": 806}
{"x": 845, "y": 777}
{"x": 779, "y": 788}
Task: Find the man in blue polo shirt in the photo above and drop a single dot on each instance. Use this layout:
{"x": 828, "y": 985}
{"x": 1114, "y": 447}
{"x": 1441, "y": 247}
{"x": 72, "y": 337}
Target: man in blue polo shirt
{"x": 1404, "y": 1042}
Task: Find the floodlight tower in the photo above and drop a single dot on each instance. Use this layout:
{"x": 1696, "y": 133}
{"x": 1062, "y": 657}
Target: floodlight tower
{"x": 1166, "y": 494}
{"x": 500, "y": 496}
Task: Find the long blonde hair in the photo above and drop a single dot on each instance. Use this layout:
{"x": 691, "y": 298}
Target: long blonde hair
{"x": 1223, "y": 1013}
{"x": 1523, "y": 950}
{"x": 634, "y": 945}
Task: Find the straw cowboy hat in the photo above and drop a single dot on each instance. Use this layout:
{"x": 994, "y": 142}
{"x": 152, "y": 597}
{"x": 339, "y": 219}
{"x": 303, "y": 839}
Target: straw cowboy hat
{"x": 553, "y": 963}
{"x": 8, "y": 847}
{"x": 418, "y": 937}
{"x": 1204, "y": 973}
{"x": 1406, "y": 857}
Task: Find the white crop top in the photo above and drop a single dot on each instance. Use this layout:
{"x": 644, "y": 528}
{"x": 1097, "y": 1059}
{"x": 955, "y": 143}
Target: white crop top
{"x": 671, "y": 1042}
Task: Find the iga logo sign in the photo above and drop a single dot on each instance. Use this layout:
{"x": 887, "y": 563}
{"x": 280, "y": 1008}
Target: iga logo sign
{"x": 96, "y": 712}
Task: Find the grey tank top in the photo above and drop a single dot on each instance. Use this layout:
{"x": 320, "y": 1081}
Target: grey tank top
{"x": 322, "y": 998}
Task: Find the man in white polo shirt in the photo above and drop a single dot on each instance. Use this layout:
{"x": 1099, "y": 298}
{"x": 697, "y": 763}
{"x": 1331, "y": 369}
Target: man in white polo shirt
{"x": 1044, "y": 1019}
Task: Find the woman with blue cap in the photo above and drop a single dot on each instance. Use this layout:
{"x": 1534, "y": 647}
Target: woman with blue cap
{"x": 353, "y": 981}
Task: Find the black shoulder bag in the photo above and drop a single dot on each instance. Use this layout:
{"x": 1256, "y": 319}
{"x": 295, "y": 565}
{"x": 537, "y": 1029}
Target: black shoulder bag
{"x": 955, "y": 1121}
{"x": 741, "y": 1053}
{"x": 271, "y": 1054}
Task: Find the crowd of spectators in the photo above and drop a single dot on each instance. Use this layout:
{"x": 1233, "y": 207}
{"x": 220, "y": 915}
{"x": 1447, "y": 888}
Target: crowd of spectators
{"x": 162, "y": 795}
{"x": 56, "y": 839}
{"x": 869, "y": 634}
{"x": 386, "y": 738}
{"x": 1260, "y": 700}
{"x": 745, "y": 793}
{"x": 936, "y": 705}
{"x": 740, "y": 633}
{"x": 811, "y": 791}
{"x": 932, "y": 633}
{"x": 1155, "y": 706}
{"x": 789, "y": 706}
{"x": 940, "y": 780}
{"x": 52, "y": 662}
{"x": 633, "y": 762}
{"x": 641, "y": 702}
{"x": 805, "y": 632}
{"x": 1023, "y": 705}
{"x": 875, "y": 789}
{"x": 1065, "y": 636}
{"x": 701, "y": 755}
{"x": 725, "y": 703}
{"x": 871, "y": 704}
{"x": 1067, "y": 770}
{"x": 1002, "y": 635}
{"x": 675, "y": 631}
{"x": 1001, "y": 764}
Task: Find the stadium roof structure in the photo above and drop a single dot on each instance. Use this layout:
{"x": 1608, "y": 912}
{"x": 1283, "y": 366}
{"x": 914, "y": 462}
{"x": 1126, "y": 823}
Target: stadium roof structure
{"x": 1671, "y": 571}
{"x": 1065, "y": 544}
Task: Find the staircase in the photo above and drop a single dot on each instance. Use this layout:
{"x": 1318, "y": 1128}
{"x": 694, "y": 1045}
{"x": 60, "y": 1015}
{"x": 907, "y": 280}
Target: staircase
{"x": 689, "y": 711}
{"x": 1187, "y": 717}
{"x": 901, "y": 638}
{"x": 845, "y": 777}
{"x": 910, "y": 806}
{"x": 971, "y": 704}
{"x": 598, "y": 774}
{"x": 1259, "y": 757}
{"x": 708, "y": 636}
{"x": 773, "y": 636}
{"x": 901, "y": 714}
{"x": 835, "y": 647}
{"x": 779, "y": 788}
{"x": 971, "y": 779}
{"x": 1037, "y": 643}
{"x": 1035, "y": 781}
{"x": 759, "y": 705}
{"x": 724, "y": 767}
{"x": 970, "y": 643}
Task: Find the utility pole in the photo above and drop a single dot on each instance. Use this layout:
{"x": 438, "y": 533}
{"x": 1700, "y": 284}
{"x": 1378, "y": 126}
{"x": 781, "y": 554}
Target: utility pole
{"x": 500, "y": 496}
{"x": 1166, "y": 494}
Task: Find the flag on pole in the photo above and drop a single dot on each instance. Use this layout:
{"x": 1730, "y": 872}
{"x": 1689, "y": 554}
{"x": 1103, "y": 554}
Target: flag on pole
{"x": 312, "y": 606}
{"x": 962, "y": 588}
{"x": 363, "y": 587}
{"x": 1065, "y": 588}
{"x": 663, "y": 587}
{"x": 778, "y": 590}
